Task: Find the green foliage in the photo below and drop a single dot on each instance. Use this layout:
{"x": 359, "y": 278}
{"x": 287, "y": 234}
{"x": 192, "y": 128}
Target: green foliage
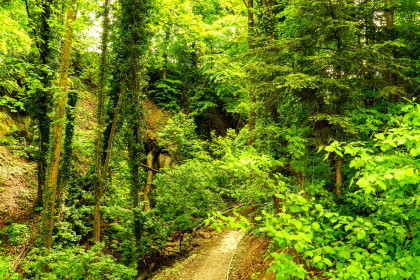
{"x": 378, "y": 239}
{"x": 5, "y": 271}
{"x": 180, "y": 139}
{"x": 167, "y": 95}
{"x": 186, "y": 193}
{"x": 76, "y": 263}
{"x": 16, "y": 233}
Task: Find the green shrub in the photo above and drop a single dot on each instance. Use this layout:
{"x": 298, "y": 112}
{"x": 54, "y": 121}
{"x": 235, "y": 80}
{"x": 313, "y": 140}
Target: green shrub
{"x": 186, "y": 193}
{"x": 16, "y": 233}
{"x": 5, "y": 271}
{"x": 76, "y": 263}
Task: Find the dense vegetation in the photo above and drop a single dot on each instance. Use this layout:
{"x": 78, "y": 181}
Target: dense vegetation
{"x": 304, "y": 113}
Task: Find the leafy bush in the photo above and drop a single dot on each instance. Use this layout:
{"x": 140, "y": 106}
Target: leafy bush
{"x": 5, "y": 272}
{"x": 180, "y": 139}
{"x": 373, "y": 232}
{"x": 185, "y": 194}
{"x": 17, "y": 233}
{"x": 76, "y": 263}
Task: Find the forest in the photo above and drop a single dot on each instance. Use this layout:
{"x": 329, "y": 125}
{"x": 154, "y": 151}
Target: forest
{"x": 130, "y": 125}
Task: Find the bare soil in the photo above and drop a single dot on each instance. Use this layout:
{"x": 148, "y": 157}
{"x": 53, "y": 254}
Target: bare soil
{"x": 17, "y": 188}
{"x": 249, "y": 261}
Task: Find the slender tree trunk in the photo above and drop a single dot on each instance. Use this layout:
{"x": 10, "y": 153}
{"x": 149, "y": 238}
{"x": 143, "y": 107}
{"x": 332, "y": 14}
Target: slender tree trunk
{"x": 102, "y": 180}
{"x": 149, "y": 181}
{"x": 67, "y": 157}
{"x": 338, "y": 178}
{"x": 101, "y": 105}
{"x": 389, "y": 20}
{"x": 51, "y": 188}
{"x": 251, "y": 44}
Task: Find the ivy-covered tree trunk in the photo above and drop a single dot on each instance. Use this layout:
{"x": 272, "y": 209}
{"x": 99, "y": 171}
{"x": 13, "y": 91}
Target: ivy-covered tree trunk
{"x": 134, "y": 39}
{"x": 41, "y": 108}
{"x": 100, "y": 117}
{"x": 67, "y": 157}
{"x": 56, "y": 143}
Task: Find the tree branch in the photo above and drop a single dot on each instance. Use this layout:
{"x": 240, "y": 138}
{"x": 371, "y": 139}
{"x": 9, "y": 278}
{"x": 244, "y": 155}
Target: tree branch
{"x": 34, "y": 30}
{"x": 150, "y": 168}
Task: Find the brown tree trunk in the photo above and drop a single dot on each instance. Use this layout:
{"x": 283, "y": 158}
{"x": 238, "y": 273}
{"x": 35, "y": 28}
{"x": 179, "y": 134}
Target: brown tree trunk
{"x": 41, "y": 170}
{"x": 277, "y": 204}
{"x": 338, "y": 178}
{"x": 51, "y": 188}
{"x": 101, "y": 101}
{"x": 149, "y": 181}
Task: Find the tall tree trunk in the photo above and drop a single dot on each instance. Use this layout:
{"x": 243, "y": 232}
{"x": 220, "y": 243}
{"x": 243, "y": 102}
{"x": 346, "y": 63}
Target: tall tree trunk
{"x": 51, "y": 188}
{"x": 148, "y": 188}
{"x": 68, "y": 150}
{"x": 101, "y": 104}
{"x": 338, "y": 178}
{"x": 102, "y": 180}
{"x": 251, "y": 44}
{"x": 43, "y": 105}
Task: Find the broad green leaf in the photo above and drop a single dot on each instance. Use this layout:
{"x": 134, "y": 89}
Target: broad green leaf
{"x": 317, "y": 259}
{"x": 389, "y": 176}
{"x": 363, "y": 183}
{"x": 297, "y": 224}
{"x": 380, "y": 136}
{"x": 327, "y": 262}
{"x": 361, "y": 234}
{"x": 375, "y": 275}
{"x": 295, "y": 209}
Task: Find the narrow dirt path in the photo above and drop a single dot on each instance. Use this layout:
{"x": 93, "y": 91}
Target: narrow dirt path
{"x": 211, "y": 263}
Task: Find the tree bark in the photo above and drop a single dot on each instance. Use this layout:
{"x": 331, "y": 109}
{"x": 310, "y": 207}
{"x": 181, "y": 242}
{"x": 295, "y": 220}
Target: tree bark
{"x": 51, "y": 188}
{"x": 338, "y": 178}
{"x": 149, "y": 181}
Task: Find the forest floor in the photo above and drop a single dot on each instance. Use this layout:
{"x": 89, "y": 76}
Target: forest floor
{"x": 230, "y": 255}
{"x": 17, "y": 187}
